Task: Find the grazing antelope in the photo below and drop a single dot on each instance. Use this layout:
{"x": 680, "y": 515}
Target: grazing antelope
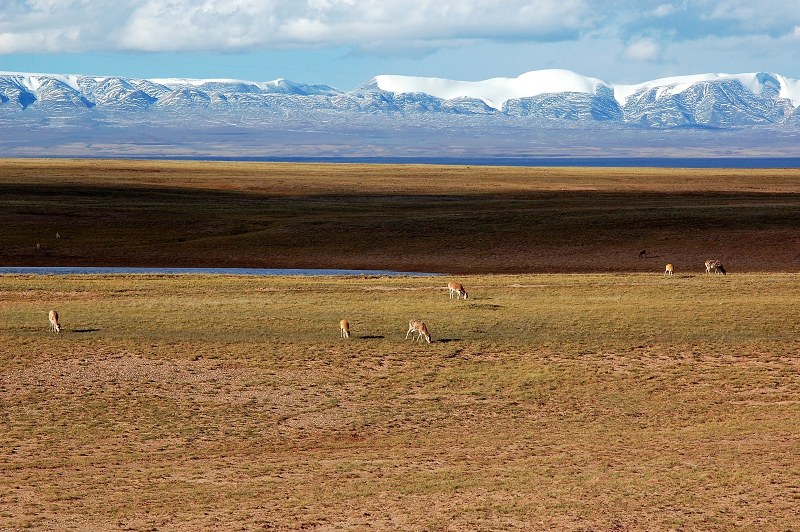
{"x": 54, "y": 325}
{"x": 669, "y": 270}
{"x": 344, "y": 328}
{"x": 418, "y": 327}
{"x": 458, "y": 290}
{"x": 715, "y": 266}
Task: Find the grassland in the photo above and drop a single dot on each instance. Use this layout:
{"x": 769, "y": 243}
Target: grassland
{"x": 453, "y": 219}
{"x": 570, "y": 402}
{"x": 613, "y": 399}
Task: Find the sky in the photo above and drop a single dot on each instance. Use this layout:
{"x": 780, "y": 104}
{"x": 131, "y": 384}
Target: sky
{"x": 344, "y": 43}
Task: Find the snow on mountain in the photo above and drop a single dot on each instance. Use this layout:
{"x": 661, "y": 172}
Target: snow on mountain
{"x": 494, "y": 92}
{"x": 705, "y": 100}
{"x": 666, "y": 87}
{"x": 280, "y": 85}
{"x": 790, "y": 89}
{"x": 32, "y": 82}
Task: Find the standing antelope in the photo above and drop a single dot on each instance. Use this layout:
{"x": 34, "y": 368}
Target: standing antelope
{"x": 458, "y": 290}
{"x": 715, "y": 266}
{"x": 54, "y": 325}
{"x": 669, "y": 270}
{"x": 344, "y": 328}
{"x": 418, "y": 327}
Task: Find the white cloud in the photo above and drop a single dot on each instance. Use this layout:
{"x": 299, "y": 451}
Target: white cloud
{"x": 642, "y": 50}
{"x": 664, "y": 10}
{"x": 770, "y": 16}
{"x": 175, "y": 25}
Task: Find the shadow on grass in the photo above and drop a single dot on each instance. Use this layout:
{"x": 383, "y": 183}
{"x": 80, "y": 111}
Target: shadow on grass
{"x": 85, "y": 330}
{"x": 372, "y": 337}
{"x": 485, "y": 306}
{"x": 446, "y": 340}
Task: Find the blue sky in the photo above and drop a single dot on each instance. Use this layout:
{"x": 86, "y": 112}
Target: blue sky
{"x": 344, "y": 43}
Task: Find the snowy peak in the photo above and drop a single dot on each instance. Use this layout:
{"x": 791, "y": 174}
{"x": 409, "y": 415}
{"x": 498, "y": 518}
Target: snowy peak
{"x": 494, "y": 92}
{"x": 531, "y": 99}
{"x": 278, "y": 86}
{"x": 754, "y": 82}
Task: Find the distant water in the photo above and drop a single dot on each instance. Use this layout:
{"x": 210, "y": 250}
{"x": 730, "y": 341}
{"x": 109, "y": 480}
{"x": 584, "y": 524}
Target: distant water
{"x": 595, "y": 162}
{"x": 80, "y": 270}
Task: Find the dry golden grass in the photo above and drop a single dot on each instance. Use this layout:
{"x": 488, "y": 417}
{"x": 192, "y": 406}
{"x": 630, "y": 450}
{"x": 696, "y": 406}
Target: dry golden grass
{"x": 600, "y": 402}
{"x": 302, "y": 179}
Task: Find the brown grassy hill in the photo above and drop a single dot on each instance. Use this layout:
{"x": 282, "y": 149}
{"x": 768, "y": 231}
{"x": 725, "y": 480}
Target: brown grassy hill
{"x": 402, "y": 217}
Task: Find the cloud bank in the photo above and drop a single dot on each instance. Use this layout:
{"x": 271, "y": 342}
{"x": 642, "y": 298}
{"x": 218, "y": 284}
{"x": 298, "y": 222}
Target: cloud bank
{"x": 641, "y": 33}
{"x": 235, "y": 25}
{"x": 197, "y": 25}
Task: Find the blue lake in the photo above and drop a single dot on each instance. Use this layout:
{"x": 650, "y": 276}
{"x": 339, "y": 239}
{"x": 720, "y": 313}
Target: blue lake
{"x": 656, "y": 162}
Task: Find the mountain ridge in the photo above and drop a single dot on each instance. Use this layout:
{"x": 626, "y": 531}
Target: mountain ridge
{"x": 546, "y": 113}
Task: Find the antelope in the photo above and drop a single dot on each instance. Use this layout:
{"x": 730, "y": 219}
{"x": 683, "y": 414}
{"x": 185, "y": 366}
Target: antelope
{"x": 715, "y": 266}
{"x": 458, "y": 290}
{"x": 344, "y": 328}
{"x": 418, "y": 327}
{"x": 669, "y": 270}
{"x": 54, "y": 325}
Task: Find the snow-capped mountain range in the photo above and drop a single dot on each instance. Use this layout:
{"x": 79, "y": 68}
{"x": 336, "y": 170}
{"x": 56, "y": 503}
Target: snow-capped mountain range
{"x": 706, "y": 100}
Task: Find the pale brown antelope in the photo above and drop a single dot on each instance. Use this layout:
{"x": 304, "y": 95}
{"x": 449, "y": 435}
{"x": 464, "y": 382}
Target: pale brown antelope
{"x": 669, "y": 270}
{"x": 54, "y": 325}
{"x": 457, "y": 290}
{"x": 344, "y": 328}
{"x": 420, "y": 328}
{"x": 715, "y": 266}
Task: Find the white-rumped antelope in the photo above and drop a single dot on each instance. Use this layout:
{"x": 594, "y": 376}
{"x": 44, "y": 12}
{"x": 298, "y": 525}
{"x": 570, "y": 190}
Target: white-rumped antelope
{"x": 420, "y": 328}
{"x": 715, "y": 266}
{"x": 669, "y": 270}
{"x": 344, "y": 328}
{"x": 54, "y": 325}
{"x": 457, "y": 290}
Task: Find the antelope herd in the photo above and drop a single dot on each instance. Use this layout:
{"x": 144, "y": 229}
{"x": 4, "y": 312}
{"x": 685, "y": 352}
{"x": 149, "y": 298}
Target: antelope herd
{"x": 456, "y": 290}
{"x": 715, "y": 266}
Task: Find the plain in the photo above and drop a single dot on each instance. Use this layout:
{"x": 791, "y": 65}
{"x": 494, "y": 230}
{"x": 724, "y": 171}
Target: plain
{"x": 610, "y": 401}
{"x": 456, "y": 219}
{"x": 577, "y": 388}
